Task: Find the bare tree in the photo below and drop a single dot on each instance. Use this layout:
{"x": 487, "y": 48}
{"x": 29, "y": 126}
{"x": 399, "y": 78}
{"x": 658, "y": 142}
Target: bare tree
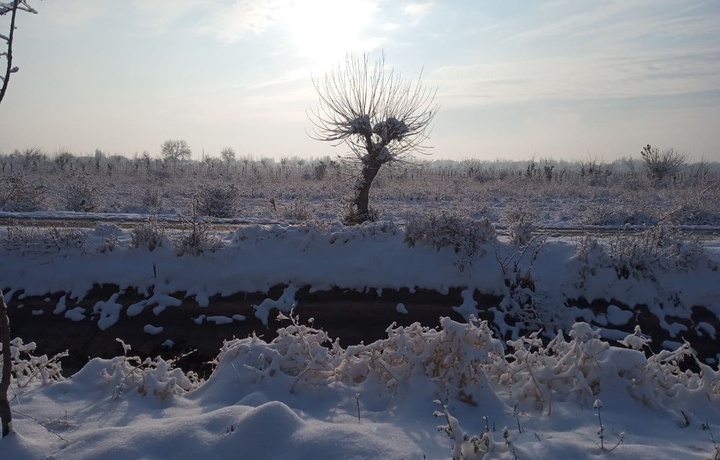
{"x": 175, "y": 151}
{"x": 228, "y": 155}
{"x": 5, "y": 413}
{"x": 660, "y": 165}
{"x": 380, "y": 116}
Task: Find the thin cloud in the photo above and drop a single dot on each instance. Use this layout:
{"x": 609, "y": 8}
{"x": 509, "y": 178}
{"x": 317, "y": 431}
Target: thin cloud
{"x": 239, "y": 20}
{"x": 417, "y": 11}
{"x": 590, "y": 77}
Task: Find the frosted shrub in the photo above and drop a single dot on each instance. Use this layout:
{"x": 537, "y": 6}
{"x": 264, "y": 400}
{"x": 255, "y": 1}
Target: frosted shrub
{"x": 454, "y": 358}
{"x": 592, "y": 256}
{"x": 692, "y": 214}
{"x": 462, "y": 235}
{"x": 81, "y": 195}
{"x": 296, "y": 210}
{"x": 520, "y": 225}
{"x": 614, "y": 216}
{"x": 39, "y": 240}
{"x": 218, "y": 201}
{"x": 155, "y": 377}
{"x": 26, "y": 367}
{"x": 152, "y": 198}
{"x": 19, "y": 193}
{"x": 197, "y": 237}
{"x": 149, "y": 234}
{"x": 297, "y": 355}
{"x": 658, "y": 247}
{"x": 465, "y": 447}
{"x": 535, "y": 373}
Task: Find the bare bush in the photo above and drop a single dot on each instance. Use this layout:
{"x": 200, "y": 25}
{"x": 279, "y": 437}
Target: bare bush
{"x": 20, "y": 193}
{"x": 661, "y": 165}
{"x": 150, "y": 235}
{"x": 197, "y": 237}
{"x": 521, "y": 225}
{"x": 39, "y": 240}
{"x": 296, "y": 210}
{"x": 81, "y": 195}
{"x": 218, "y": 200}
{"x": 152, "y": 198}
{"x": 658, "y": 247}
{"x": 443, "y": 230}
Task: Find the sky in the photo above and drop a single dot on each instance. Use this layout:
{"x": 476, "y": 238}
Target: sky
{"x": 559, "y": 79}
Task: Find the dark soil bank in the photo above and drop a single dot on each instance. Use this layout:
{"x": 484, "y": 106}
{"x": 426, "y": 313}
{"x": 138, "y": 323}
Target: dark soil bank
{"x": 351, "y": 316}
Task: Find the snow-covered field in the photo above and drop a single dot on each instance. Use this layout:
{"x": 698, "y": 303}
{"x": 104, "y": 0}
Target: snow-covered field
{"x": 299, "y": 395}
{"x": 484, "y": 388}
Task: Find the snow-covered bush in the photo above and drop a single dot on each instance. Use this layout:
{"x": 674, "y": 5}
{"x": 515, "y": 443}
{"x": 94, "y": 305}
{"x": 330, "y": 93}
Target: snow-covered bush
{"x": 218, "y": 200}
{"x": 461, "y": 234}
{"x": 454, "y": 358}
{"x": 81, "y": 195}
{"x": 149, "y": 234}
{"x": 27, "y": 368}
{"x": 296, "y": 210}
{"x": 658, "y": 247}
{"x": 692, "y": 214}
{"x": 39, "y": 240}
{"x": 197, "y": 237}
{"x": 521, "y": 225}
{"x": 152, "y": 198}
{"x": 465, "y": 447}
{"x": 156, "y": 377}
{"x": 21, "y": 193}
{"x": 566, "y": 369}
{"x": 605, "y": 215}
{"x": 125, "y": 374}
{"x": 592, "y": 256}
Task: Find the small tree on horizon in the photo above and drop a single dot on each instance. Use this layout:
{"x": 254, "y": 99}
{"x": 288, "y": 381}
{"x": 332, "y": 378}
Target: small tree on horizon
{"x": 662, "y": 164}
{"x": 175, "y": 150}
{"x": 228, "y": 155}
{"x": 380, "y": 116}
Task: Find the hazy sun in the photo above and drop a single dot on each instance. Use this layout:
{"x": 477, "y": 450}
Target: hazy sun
{"x": 325, "y": 30}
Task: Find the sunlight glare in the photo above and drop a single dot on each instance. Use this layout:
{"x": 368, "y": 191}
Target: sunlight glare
{"x": 323, "y": 31}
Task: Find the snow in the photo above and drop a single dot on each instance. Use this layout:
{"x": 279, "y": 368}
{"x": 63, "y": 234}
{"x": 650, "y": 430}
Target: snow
{"x": 263, "y": 400}
{"x": 152, "y": 330}
{"x": 298, "y": 396}
{"x": 219, "y": 319}
{"x": 109, "y": 312}
{"x": 76, "y": 314}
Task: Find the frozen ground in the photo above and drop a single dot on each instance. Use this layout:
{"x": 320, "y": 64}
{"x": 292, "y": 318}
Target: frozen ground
{"x": 587, "y": 385}
{"x": 302, "y": 395}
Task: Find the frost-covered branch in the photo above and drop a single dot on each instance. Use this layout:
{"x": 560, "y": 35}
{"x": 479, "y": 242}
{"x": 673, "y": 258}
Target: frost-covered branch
{"x": 11, "y": 8}
{"x": 370, "y": 108}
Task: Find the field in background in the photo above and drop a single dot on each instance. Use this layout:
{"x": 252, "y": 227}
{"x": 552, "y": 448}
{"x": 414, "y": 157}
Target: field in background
{"x": 588, "y": 193}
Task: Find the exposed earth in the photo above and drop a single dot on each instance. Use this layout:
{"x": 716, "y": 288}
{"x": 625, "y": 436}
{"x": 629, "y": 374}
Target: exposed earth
{"x": 352, "y": 317}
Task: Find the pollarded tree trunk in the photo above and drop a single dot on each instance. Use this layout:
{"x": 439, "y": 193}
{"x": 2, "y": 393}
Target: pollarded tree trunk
{"x": 362, "y": 197}
{"x": 5, "y": 413}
